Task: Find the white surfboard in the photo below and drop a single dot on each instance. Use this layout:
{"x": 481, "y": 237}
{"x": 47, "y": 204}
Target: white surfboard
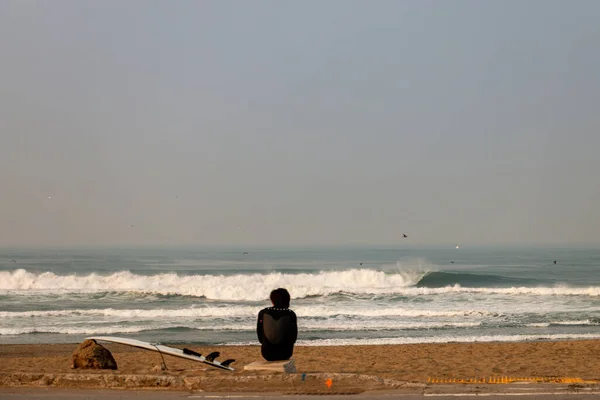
{"x": 172, "y": 351}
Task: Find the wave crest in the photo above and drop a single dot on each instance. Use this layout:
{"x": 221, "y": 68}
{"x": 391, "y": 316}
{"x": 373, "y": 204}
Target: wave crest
{"x": 255, "y": 287}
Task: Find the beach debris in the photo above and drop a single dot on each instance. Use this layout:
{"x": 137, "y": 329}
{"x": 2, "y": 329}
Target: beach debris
{"x": 91, "y": 355}
{"x": 159, "y": 368}
{"x": 284, "y": 366}
{"x": 329, "y": 382}
{"x": 404, "y": 235}
{"x": 554, "y": 262}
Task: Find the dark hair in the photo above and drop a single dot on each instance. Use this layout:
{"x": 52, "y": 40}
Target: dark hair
{"x": 280, "y": 298}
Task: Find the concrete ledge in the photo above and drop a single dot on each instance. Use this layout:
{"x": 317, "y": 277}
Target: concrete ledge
{"x": 285, "y": 366}
{"x": 286, "y": 383}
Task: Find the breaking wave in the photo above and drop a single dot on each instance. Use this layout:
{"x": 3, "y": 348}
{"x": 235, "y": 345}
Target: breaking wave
{"x": 255, "y": 287}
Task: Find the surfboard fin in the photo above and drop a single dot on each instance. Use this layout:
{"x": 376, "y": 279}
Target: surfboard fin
{"x": 227, "y": 362}
{"x": 211, "y": 357}
{"x": 191, "y": 352}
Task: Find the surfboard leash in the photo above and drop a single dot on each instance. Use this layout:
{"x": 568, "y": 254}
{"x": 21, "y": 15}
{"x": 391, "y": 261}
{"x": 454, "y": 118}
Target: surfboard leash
{"x": 161, "y": 355}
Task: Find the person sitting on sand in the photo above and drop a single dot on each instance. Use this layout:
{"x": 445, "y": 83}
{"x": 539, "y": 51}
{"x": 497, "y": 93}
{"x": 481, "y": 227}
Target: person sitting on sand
{"x": 276, "y": 327}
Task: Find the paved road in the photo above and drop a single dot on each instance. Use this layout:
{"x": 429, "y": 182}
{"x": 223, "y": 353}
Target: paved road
{"x": 437, "y": 392}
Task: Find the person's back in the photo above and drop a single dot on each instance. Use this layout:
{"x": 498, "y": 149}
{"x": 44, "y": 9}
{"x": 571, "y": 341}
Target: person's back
{"x": 276, "y": 328}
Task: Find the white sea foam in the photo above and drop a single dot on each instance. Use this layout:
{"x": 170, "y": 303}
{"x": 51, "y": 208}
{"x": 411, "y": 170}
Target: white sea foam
{"x": 83, "y": 330}
{"x": 583, "y": 322}
{"x": 438, "y": 339}
{"x": 306, "y": 326}
{"x": 349, "y": 326}
{"x": 566, "y": 323}
{"x": 255, "y": 287}
{"x": 247, "y": 311}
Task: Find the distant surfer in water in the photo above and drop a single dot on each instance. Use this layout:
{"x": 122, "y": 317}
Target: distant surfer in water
{"x": 276, "y": 327}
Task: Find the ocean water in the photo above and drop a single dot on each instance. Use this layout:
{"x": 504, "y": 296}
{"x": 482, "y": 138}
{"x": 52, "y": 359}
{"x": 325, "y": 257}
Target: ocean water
{"x": 341, "y": 295}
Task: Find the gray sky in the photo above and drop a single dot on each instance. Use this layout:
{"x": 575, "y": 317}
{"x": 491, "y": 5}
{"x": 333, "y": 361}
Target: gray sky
{"x": 298, "y": 123}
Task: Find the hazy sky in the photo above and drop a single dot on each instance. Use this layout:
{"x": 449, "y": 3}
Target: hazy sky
{"x": 298, "y": 123}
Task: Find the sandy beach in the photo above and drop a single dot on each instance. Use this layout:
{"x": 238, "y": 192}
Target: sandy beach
{"x": 410, "y": 363}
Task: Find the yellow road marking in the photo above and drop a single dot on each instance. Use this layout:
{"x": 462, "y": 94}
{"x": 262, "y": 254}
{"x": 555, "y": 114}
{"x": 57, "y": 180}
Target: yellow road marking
{"x": 511, "y": 379}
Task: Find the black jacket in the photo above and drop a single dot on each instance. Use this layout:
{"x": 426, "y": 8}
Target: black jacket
{"x": 277, "y": 332}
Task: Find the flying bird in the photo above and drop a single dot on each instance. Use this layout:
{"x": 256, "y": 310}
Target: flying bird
{"x": 404, "y": 235}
